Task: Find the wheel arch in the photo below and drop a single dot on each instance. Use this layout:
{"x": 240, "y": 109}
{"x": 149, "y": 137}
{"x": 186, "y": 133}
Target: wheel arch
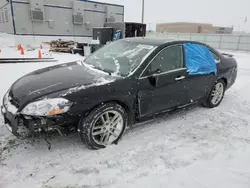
{"x": 221, "y": 78}
{"x": 224, "y": 80}
{"x": 123, "y": 104}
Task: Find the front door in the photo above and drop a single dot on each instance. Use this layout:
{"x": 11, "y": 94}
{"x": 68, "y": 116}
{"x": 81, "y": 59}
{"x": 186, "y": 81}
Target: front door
{"x": 163, "y": 83}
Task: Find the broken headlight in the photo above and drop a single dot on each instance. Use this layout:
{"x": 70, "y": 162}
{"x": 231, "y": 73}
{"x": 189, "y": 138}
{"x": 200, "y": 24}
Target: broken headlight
{"x": 47, "y": 107}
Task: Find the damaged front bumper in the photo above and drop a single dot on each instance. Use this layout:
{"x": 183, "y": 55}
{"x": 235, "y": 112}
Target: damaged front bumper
{"x": 10, "y": 121}
{"x": 36, "y": 124}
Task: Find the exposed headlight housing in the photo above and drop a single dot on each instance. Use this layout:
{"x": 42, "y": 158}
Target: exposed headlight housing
{"x": 47, "y": 107}
{"x": 7, "y": 104}
{"x": 5, "y": 98}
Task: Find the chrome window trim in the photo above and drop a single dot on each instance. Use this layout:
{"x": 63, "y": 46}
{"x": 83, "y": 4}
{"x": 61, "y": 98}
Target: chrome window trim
{"x": 171, "y": 71}
{"x": 140, "y": 77}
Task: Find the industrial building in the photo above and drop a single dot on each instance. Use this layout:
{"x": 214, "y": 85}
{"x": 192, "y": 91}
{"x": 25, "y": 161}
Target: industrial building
{"x": 60, "y": 18}
{"x": 185, "y": 27}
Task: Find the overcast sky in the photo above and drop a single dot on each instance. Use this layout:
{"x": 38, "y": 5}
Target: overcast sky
{"x": 217, "y": 12}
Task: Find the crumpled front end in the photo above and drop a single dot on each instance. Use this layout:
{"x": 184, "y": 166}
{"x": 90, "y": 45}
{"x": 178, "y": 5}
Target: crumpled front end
{"x": 14, "y": 120}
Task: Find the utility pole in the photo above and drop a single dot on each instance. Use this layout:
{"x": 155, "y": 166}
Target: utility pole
{"x": 142, "y": 16}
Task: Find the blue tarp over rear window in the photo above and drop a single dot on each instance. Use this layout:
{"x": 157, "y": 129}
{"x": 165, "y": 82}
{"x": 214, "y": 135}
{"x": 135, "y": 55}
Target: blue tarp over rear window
{"x": 199, "y": 59}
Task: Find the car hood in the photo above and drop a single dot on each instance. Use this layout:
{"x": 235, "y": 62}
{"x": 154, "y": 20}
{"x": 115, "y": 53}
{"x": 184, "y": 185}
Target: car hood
{"x": 53, "y": 79}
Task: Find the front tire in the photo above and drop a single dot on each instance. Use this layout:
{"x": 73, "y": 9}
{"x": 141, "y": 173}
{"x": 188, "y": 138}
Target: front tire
{"x": 216, "y": 94}
{"x": 103, "y": 126}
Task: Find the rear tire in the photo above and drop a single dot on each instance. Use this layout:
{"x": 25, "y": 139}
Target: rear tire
{"x": 216, "y": 94}
{"x": 103, "y": 126}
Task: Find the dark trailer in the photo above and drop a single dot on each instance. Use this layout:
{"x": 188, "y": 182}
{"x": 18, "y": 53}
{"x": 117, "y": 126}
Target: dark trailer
{"x": 128, "y": 29}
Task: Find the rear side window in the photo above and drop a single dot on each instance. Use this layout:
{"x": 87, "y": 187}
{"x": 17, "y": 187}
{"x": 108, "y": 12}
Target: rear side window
{"x": 198, "y": 59}
{"x": 168, "y": 59}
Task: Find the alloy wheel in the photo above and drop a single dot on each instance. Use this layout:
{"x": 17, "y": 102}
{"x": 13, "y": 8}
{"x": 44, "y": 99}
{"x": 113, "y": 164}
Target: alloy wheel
{"x": 217, "y": 93}
{"x": 107, "y": 127}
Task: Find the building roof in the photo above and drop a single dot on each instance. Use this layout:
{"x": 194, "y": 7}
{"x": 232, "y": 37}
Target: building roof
{"x": 184, "y": 23}
{"x": 192, "y": 23}
{"x": 89, "y": 1}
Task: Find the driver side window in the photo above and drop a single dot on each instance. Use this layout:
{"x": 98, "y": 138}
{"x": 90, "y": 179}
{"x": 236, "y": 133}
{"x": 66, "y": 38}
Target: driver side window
{"x": 168, "y": 59}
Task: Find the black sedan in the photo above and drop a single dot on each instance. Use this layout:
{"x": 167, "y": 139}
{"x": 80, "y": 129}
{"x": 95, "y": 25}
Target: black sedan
{"x": 118, "y": 85}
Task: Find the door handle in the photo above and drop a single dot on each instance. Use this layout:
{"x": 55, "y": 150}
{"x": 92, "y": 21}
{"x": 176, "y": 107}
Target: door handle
{"x": 179, "y": 78}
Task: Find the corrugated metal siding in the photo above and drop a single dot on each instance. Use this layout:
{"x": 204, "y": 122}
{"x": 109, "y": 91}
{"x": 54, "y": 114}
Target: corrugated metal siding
{"x": 59, "y": 15}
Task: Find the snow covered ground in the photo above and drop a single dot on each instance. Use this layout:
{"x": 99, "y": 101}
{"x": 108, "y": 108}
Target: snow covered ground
{"x": 199, "y": 147}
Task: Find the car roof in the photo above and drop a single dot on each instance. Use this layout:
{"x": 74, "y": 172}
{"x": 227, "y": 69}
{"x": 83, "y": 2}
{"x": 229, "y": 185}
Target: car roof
{"x": 158, "y": 41}
{"x": 154, "y": 41}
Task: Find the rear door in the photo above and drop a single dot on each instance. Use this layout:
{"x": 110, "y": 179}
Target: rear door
{"x": 199, "y": 85}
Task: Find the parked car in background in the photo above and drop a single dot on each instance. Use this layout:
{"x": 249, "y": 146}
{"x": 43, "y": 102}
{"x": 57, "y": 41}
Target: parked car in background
{"x": 118, "y": 85}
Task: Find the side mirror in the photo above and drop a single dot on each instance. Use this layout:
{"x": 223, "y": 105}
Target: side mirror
{"x": 153, "y": 73}
{"x": 156, "y": 72}
{"x": 153, "y": 78}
